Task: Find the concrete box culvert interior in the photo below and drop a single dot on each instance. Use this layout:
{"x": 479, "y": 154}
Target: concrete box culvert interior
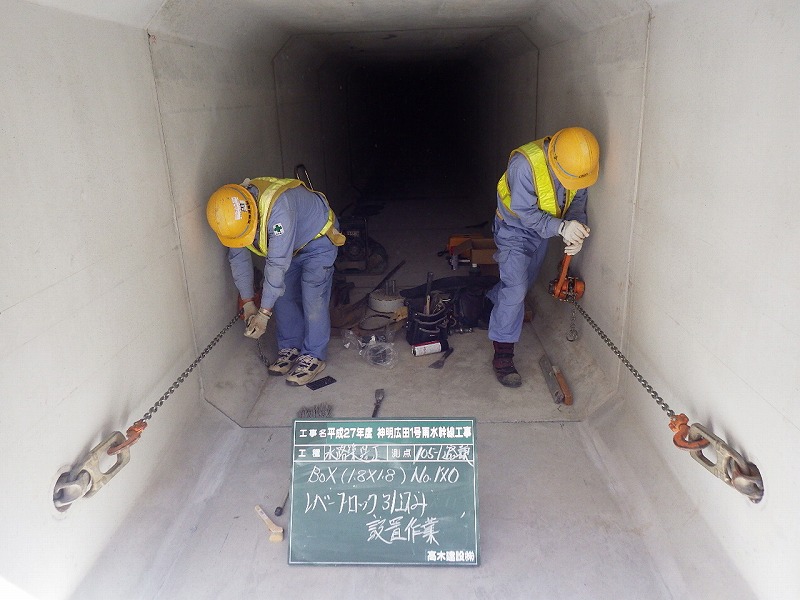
{"x": 136, "y": 110}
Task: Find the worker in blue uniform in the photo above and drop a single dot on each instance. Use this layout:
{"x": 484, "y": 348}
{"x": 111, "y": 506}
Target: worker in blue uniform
{"x": 294, "y": 229}
{"x": 541, "y": 195}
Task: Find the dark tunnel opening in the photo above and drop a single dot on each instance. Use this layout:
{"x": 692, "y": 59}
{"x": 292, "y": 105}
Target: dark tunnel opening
{"x": 411, "y": 128}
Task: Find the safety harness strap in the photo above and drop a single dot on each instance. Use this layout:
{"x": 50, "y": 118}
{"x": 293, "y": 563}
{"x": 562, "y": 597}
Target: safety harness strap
{"x": 270, "y": 189}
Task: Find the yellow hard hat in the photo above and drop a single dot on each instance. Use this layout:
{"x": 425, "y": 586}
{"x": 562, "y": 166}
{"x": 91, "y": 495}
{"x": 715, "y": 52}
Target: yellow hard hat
{"x": 574, "y": 156}
{"x": 231, "y": 212}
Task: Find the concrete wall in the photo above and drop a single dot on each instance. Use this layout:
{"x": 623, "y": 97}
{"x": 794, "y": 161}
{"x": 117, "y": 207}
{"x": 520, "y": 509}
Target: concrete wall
{"x": 220, "y": 125}
{"x": 711, "y": 316}
{"x": 596, "y": 81}
{"x": 94, "y": 313}
{"x": 710, "y": 237}
{"x": 109, "y": 156}
{"x": 300, "y": 109}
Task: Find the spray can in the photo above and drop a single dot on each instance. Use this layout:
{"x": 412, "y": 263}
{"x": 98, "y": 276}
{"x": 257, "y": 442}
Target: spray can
{"x": 433, "y": 347}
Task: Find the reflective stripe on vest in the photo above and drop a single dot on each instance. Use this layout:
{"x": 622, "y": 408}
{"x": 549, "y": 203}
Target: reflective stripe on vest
{"x": 542, "y": 181}
{"x": 270, "y": 189}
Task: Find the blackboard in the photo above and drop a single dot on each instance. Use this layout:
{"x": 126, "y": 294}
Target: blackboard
{"x": 385, "y": 492}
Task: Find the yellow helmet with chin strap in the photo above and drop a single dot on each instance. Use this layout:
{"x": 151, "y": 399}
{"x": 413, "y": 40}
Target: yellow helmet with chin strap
{"x": 574, "y": 156}
{"x": 231, "y": 212}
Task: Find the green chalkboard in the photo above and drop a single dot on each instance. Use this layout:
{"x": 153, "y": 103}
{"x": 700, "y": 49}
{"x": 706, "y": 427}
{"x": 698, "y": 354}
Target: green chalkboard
{"x": 384, "y": 491}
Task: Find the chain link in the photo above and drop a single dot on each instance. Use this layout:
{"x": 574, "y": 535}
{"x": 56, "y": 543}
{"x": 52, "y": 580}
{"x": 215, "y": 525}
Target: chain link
{"x": 572, "y": 334}
{"x": 653, "y": 394}
{"x": 261, "y": 356}
{"x": 182, "y": 377}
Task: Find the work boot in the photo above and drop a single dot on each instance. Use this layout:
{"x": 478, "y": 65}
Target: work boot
{"x": 285, "y": 361}
{"x": 306, "y": 368}
{"x": 503, "y": 365}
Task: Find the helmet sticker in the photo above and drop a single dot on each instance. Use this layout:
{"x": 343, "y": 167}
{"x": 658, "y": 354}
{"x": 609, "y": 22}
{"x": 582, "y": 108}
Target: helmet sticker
{"x": 238, "y": 207}
{"x": 277, "y": 229}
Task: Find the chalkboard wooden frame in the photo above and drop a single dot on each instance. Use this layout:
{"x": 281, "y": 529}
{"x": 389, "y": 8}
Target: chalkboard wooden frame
{"x": 384, "y": 492}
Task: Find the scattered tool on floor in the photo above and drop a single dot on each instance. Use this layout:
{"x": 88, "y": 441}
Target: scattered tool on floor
{"x": 321, "y": 382}
{"x": 433, "y": 347}
{"x": 379, "y": 396}
{"x": 346, "y": 316}
{"x": 279, "y": 509}
{"x": 440, "y": 363}
{"x": 376, "y": 322}
{"x": 457, "y": 251}
{"x": 275, "y": 531}
{"x": 556, "y": 382}
{"x": 323, "y": 410}
{"x": 386, "y": 300}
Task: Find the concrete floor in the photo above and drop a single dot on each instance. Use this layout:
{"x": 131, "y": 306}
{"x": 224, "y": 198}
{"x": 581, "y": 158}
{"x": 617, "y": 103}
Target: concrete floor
{"x": 551, "y": 525}
{"x": 549, "y": 528}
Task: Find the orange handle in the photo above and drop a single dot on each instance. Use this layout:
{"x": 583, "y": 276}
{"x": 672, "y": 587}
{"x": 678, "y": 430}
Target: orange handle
{"x": 562, "y": 383}
{"x": 562, "y": 278}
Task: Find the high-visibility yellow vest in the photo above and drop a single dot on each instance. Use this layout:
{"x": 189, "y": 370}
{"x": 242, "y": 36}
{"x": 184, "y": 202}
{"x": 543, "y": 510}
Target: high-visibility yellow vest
{"x": 270, "y": 189}
{"x": 542, "y": 181}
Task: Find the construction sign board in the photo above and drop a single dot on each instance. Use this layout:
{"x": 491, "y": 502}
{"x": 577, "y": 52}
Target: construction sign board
{"x": 384, "y": 492}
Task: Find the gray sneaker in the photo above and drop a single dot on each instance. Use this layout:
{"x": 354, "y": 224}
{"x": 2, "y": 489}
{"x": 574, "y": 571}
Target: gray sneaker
{"x": 306, "y": 368}
{"x": 285, "y": 361}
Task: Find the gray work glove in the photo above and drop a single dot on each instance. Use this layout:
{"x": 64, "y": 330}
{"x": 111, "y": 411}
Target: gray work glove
{"x": 573, "y": 231}
{"x": 257, "y": 324}
{"x": 249, "y": 309}
{"x": 573, "y": 249}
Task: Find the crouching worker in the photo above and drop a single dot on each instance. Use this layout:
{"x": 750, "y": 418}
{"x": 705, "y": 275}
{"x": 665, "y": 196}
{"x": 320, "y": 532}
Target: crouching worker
{"x": 294, "y": 229}
{"x": 541, "y": 195}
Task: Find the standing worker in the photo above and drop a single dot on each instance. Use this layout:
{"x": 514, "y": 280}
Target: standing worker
{"x": 294, "y": 229}
{"x": 541, "y": 195}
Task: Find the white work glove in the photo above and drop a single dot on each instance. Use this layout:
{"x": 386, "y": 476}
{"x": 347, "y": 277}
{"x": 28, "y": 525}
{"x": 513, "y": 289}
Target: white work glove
{"x": 573, "y": 231}
{"x": 249, "y": 309}
{"x": 573, "y": 249}
{"x": 257, "y": 324}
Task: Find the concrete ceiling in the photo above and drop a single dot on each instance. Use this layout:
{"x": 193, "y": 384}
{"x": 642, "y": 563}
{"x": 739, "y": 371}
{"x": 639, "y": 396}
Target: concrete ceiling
{"x": 256, "y": 24}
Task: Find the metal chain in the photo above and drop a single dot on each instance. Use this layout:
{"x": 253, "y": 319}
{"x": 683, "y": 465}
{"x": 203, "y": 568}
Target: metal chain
{"x": 572, "y": 334}
{"x": 653, "y": 394}
{"x": 153, "y": 409}
{"x": 88, "y": 477}
{"x": 261, "y": 356}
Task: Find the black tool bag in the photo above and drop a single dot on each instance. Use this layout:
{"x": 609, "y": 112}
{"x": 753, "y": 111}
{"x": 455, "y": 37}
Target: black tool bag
{"x": 471, "y": 307}
{"x": 422, "y": 328}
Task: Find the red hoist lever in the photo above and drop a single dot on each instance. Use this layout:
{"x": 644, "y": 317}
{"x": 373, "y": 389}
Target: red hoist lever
{"x": 565, "y": 287}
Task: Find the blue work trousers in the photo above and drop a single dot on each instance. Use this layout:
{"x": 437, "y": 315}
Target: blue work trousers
{"x": 519, "y": 255}
{"x": 302, "y": 313}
